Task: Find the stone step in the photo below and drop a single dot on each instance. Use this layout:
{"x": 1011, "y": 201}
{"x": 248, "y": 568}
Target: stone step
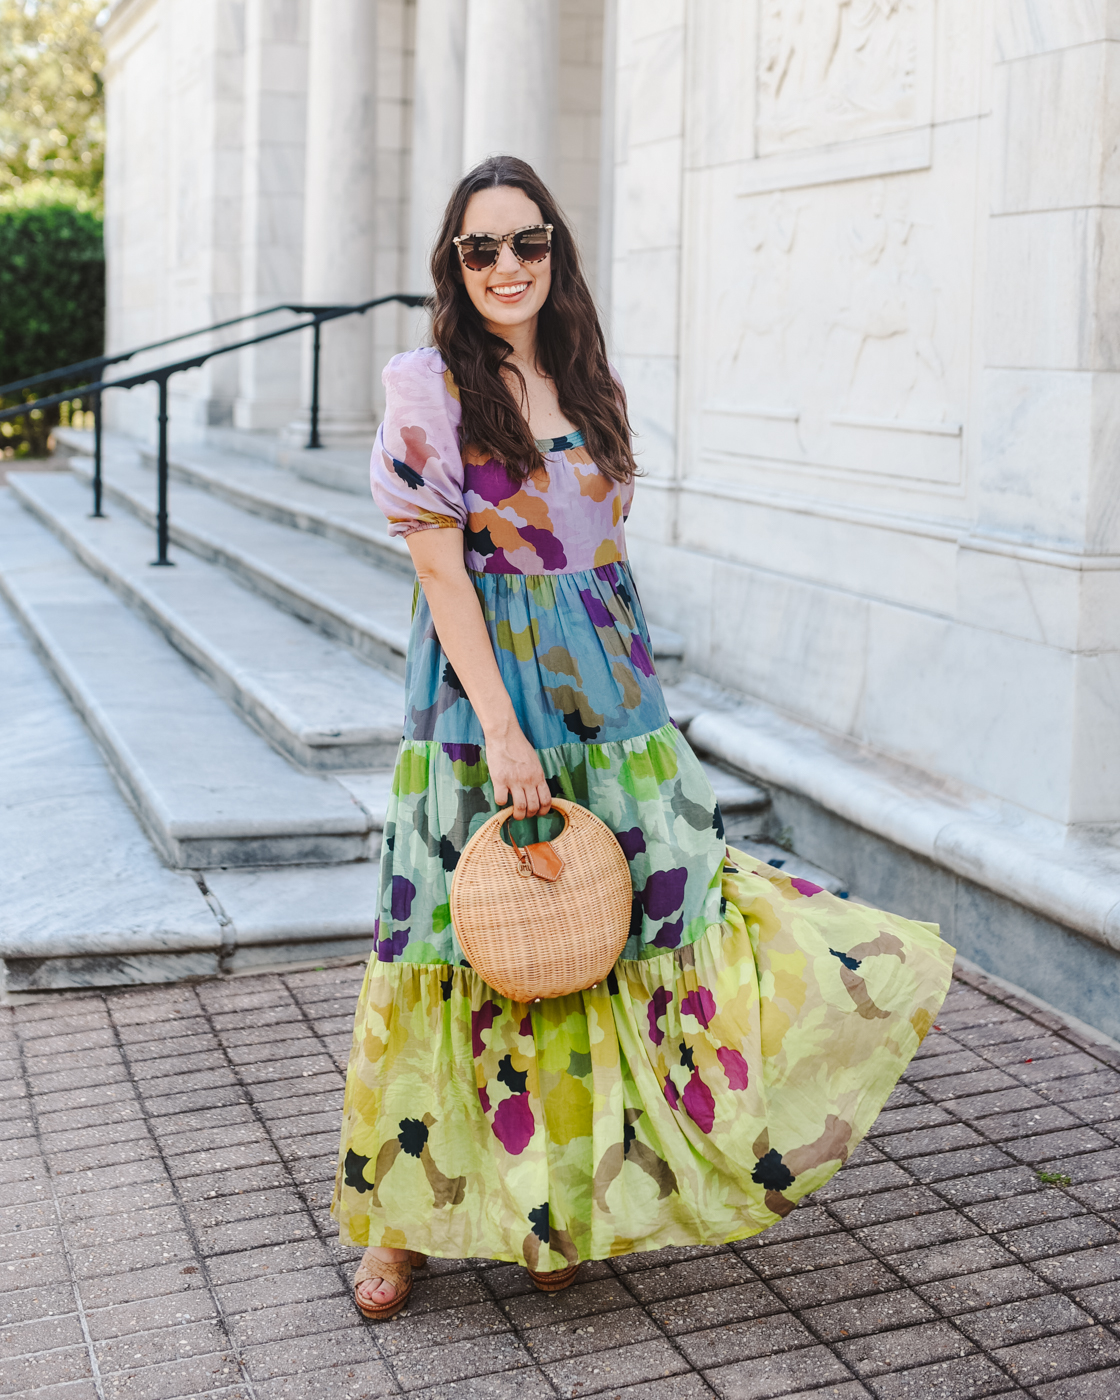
{"x": 87, "y": 900}
{"x": 307, "y": 502}
{"x": 208, "y": 789}
{"x": 310, "y": 696}
{"x": 266, "y": 490}
{"x": 295, "y": 914}
{"x": 668, "y": 653}
{"x": 342, "y": 469}
{"x": 738, "y": 799}
{"x": 346, "y": 597}
{"x": 791, "y": 864}
{"x": 1006, "y": 886}
{"x": 82, "y": 884}
{"x": 339, "y": 468}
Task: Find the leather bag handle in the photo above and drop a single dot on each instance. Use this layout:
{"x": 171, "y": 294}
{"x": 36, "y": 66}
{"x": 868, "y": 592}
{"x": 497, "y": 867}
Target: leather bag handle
{"x": 539, "y": 858}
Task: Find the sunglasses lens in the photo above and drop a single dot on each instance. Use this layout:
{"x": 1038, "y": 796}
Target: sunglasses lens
{"x": 532, "y": 244}
{"x": 479, "y": 253}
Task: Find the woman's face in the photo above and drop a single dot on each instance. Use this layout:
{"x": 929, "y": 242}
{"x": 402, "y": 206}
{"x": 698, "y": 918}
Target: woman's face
{"x": 510, "y": 293}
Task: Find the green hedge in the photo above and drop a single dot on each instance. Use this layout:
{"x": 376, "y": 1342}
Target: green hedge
{"x": 52, "y": 302}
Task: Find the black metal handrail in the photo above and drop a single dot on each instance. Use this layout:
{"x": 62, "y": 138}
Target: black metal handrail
{"x": 160, "y": 374}
{"x": 98, "y": 362}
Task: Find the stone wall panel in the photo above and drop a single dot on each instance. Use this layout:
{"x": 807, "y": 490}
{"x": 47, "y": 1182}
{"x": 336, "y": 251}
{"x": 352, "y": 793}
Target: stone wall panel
{"x": 1026, "y": 27}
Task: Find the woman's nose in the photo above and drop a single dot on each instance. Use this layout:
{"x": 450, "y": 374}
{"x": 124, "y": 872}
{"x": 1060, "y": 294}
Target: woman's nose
{"x": 506, "y": 260}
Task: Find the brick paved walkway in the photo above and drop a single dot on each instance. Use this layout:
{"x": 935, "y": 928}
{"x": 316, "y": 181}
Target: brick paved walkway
{"x": 166, "y": 1167}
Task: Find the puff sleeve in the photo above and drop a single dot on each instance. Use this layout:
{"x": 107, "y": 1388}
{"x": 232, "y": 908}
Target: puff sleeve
{"x": 416, "y": 472}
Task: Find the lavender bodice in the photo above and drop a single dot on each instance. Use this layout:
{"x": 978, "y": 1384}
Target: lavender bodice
{"x": 564, "y": 519}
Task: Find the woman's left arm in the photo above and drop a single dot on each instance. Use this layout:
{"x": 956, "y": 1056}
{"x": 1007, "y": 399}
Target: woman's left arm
{"x": 515, "y": 769}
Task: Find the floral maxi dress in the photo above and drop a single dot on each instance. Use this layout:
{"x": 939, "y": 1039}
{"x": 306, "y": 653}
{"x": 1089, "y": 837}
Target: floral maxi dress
{"x": 754, "y": 1025}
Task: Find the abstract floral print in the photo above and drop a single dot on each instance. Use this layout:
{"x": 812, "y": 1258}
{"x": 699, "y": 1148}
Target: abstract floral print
{"x": 566, "y": 518}
{"x": 692, "y": 1098}
{"x": 651, "y": 792}
{"x": 752, "y": 1029}
{"x": 574, "y": 653}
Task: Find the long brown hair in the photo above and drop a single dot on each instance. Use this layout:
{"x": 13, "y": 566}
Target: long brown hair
{"x": 570, "y": 345}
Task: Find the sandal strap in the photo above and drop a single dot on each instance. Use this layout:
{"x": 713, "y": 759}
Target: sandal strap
{"x": 398, "y": 1274}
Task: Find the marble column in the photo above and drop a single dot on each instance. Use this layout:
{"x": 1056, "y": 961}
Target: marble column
{"x": 512, "y": 59}
{"x": 272, "y": 204}
{"x": 339, "y": 232}
{"x": 608, "y": 128}
{"x": 437, "y": 126}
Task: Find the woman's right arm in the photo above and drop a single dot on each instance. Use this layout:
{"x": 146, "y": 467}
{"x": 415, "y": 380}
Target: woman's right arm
{"x": 515, "y": 769}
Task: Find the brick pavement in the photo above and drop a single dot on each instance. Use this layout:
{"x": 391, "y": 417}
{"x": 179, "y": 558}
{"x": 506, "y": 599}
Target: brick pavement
{"x": 166, "y": 1160}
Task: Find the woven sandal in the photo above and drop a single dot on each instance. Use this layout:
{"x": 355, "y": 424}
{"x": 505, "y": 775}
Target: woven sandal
{"x": 418, "y": 1261}
{"x": 556, "y": 1280}
{"x": 398, "y": 1274}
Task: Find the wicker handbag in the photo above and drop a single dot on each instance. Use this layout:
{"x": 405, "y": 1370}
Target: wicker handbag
{"x": 545, "y": 919}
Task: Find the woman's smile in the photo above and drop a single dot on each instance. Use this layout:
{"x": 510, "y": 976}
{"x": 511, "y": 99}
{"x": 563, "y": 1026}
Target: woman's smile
{"x": 509, "y": 291}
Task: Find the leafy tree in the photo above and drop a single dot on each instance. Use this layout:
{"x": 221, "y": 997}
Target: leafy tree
{"x": 52, "y": 306}
{"x": 52, "y": 140}
{"x": 52, "y": 130}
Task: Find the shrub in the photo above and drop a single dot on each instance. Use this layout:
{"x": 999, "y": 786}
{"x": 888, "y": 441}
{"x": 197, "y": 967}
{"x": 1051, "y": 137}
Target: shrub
{"x": 52, "y": 305}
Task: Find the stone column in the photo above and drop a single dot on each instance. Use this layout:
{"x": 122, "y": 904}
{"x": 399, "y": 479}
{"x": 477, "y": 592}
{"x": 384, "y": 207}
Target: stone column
{"x": 272, "y": 205}
{"x": 512, "y": 57}
{"x": 339, "y": 234}
{"x": 608, "y": 128}
{"x": 437, "y": 126}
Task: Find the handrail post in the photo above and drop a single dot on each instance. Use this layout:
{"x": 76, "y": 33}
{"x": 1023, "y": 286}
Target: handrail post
{"x": 96, "y": 403}
{"x": 161, "y": 508}
{"x": 313, "y": 440}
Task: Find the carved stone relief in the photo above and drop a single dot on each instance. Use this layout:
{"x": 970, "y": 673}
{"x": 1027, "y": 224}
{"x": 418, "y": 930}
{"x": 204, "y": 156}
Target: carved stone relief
{"x": 838, "y": 340}
{"x": 836, "y": 70}
{"x": 766, "y": 301}
{"x": 881, "y": 338}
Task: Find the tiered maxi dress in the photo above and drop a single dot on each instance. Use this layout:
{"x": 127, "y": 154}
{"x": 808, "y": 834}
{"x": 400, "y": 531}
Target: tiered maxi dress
{"x": 754, "y": 1025}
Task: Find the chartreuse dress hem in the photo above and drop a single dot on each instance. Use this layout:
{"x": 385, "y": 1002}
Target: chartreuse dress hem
{"x": 692, "y": 1098}
{"x": 755, "y": 1024}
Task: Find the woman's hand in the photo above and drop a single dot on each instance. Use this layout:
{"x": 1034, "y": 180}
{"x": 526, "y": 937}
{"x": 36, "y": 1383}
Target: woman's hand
{"x": 516, "y": 772}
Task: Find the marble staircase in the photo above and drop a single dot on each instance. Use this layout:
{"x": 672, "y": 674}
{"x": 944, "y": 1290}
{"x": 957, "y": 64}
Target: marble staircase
{"x": 208, "y": 790}
{"x": 308, "y": 693}
{"x": 201, "y": 755}
{"x": 354, "y": 600}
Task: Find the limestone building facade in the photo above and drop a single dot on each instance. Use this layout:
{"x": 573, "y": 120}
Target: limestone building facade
{"x": 859, "y": 261}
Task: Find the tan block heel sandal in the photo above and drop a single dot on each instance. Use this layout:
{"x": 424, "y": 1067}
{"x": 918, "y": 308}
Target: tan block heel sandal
{"x": 397, "y": 1274}
{"x": 554, "y": 1281}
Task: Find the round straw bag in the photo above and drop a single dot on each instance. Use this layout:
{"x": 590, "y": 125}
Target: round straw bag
{"x": 546, "y": 919}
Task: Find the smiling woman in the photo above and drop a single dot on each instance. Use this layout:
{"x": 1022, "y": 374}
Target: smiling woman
{"x": 754, "y": 1026}
{"x": 516, "y": 321}
{"x": 508, "y": 278}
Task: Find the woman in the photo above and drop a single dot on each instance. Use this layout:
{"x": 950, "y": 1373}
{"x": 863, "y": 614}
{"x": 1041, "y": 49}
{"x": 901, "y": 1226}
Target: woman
{"x": 755, "y": 1025}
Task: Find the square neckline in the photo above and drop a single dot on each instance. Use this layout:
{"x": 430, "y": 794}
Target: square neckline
{"x": 560, "y": 444}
